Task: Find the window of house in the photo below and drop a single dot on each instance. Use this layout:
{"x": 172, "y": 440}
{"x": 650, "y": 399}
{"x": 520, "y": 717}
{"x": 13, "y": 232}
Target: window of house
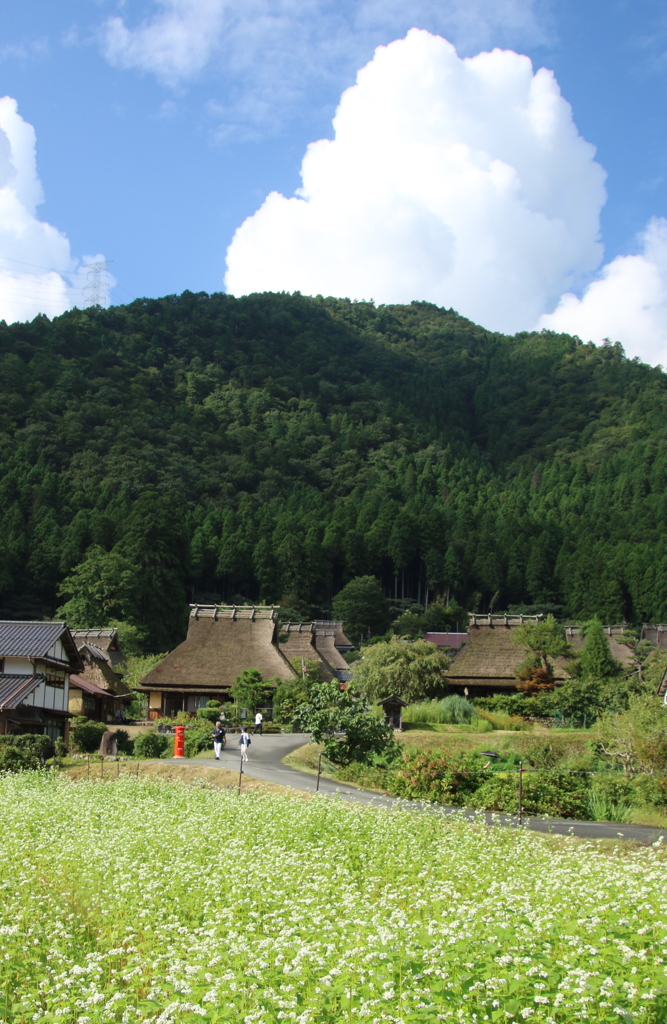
{"x": 196, "y": 701}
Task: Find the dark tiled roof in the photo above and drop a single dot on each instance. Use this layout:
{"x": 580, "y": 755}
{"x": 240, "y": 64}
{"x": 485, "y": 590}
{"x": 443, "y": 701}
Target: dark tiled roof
{"x": 35, "y": 639}
{"x": 14, "y": 689}
{"x": 28, "y": 639}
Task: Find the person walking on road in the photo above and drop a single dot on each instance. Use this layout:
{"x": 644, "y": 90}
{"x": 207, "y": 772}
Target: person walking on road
{"x": 258, "y": 723}
{"x": 244, "y": 743}
{"x": 218, "y": 740}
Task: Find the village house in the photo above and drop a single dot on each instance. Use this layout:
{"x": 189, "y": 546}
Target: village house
{"x": 449, "y": 641}
{"x": 321, "y": 641}
{"x": 489, "y": 662}
{"x": 37, "y": 660}
{"x": 98, "y": 691}
{"x": 222, "y": 641}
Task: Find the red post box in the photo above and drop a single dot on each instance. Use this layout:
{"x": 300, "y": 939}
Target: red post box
{"x": 179, "y": 741}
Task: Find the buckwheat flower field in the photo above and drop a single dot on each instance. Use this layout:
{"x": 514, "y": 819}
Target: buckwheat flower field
{"x": 137, "y": 901}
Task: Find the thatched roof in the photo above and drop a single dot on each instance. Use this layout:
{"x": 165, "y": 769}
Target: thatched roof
{"x": 300, "y": 643}
{"x": 222, "y": 641}
{"x": 103, "y": 639}
{"x": 491, "y": 659}
{"x": 621, "y": 652}
{"x": 325, "y": 642}
{"x": 327, "y": 625}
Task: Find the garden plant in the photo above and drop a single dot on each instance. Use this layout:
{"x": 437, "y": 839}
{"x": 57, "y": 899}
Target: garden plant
{"x": 120, "y": 903}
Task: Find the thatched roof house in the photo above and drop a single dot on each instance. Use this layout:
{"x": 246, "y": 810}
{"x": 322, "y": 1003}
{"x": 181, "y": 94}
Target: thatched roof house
{"x": 100, "y": 653}
{"x": 325, "y": 642}
{"x": 489, "y": 662}
{"x": 341, "y": 642}
{"x": 102, "y": 639}
{"x": 222, "y": 641}
{"x": 298, "y": 641}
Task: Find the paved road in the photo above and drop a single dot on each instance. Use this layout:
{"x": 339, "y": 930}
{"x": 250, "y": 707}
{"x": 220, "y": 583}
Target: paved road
{"x": 265, "y": 763}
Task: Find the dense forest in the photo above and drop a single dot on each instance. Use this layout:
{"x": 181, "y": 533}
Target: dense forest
{"x": 273, "y": 447}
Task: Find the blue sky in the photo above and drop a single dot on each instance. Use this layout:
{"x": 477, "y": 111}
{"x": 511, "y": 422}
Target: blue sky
{"x": 161, "y": 127}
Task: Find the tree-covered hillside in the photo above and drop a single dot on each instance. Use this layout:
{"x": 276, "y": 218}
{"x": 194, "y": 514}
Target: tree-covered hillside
{"x": 277, "y": 445}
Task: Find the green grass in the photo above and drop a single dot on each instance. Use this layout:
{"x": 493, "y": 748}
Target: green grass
{"x": 145, "y": 901}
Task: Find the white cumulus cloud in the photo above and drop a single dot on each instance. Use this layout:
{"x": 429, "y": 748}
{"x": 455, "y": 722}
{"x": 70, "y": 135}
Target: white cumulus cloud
{"x": 628, "y": 302}
{"x": 37, "y": 272}
{"x": 460, "y": 181}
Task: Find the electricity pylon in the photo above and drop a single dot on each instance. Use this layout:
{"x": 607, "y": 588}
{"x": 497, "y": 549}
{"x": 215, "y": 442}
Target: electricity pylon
{"x": 97, "y": 283}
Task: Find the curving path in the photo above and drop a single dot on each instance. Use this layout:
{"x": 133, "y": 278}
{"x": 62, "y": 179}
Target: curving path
{"x": 265, "y": 763}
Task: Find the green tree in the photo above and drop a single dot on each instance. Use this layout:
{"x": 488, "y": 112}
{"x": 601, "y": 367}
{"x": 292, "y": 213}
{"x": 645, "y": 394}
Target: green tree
{"x": 637, "y": 739}
{"x": 595, "y": 660}
{"x": 155, "y": 543}
{"x": 100, "y": 589}
{"x": 411, "y": 671}
{"x": 330, "y": 711}
{"x": 544, "y": 642}
{"x": 248, "y": 689}
{"x": 362, "y": 606}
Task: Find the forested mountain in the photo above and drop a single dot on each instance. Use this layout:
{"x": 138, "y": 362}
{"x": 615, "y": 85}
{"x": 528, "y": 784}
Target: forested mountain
{"x": 278, "y": 445}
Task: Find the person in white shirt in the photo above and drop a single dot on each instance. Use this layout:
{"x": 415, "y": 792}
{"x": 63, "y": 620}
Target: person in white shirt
{"x": 258, "y": 723}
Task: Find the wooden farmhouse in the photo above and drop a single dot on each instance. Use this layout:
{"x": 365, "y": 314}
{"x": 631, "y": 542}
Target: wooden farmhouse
{"x": 98, "y": 692}
{"x": 489, "y": 662}
{"x": 222, "y": 641}
{"x": 37, "y": 660}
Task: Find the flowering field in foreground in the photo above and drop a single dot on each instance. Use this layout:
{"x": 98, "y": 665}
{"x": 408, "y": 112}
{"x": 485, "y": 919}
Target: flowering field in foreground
{"x": 137, "y": 901}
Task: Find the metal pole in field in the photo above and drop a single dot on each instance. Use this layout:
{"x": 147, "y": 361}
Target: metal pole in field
{"x": 520, "y": 790}
{"x": 319, "y": 772}
{"x": 102, "y": 768}
{"x": 240, "y": 771}
{"x": 118, "y": 768}
{"x": 89, "y": 767}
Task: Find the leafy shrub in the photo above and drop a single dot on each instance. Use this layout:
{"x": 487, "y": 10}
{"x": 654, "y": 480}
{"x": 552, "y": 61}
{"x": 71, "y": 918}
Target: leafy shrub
{"x": 551, "y": 750}
{"x": 614, "y": 787}
{"x": 17, "y": 759}
{"x": 35, "y": 744}
{"x": 85, "y": 736}
{"x": 651, "y": 790}
{"x": 270, "y": 727}
{"x": 557, "y": 795}
{"x": 456, "y": 710}
{"x": 208, "y": 714}
{"x": 367, "y": 775}
{"x": 124, "y": 744}
{"x": 437, "y": 776}
{"x": 198, "y": 738}
{"x": 150, "y": 744}
{"x": 331, "y": 710}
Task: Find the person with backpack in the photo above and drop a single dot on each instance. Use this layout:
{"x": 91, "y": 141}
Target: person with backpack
{"x": 244, "y": 743}
{"x": 218, "y": 740}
